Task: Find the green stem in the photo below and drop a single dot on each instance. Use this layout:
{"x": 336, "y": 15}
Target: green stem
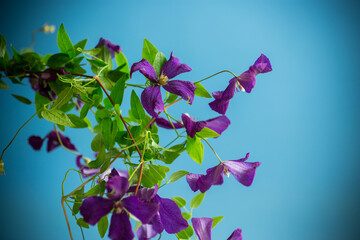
{"x": 61, "y": 143}
{"x": 212, "y": 149}
{"x": 167, "y": 115}
{"x": 216, "y": 74}
{"x": 134, "y": 85}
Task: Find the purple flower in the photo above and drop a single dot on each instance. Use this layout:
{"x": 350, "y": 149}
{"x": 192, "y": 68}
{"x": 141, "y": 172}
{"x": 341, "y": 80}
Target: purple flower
{"x": 109, "y": 45}
{"x": 40, "y": 82}
{"x": 36, "y": 142}
{"x": 202, "y": 227}
{"x": 245, "y": 82}
{"x": 84, "y": 169}
{"x": 244, "y": 172}
{"x": 95, "y": 207}
{"x": 151, "y": 98}
{"x": 168, "y": 216}
{"x": 218, "y": 124}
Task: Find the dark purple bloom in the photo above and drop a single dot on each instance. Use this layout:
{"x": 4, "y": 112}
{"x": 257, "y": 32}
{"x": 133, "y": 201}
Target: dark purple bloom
{"x": 245, "y": 82}
{"x": 202, "y": 227}
{"x": 53, "y": 141}
{"x": 40, "y": 82}
{"x": 95, "y": 207}
{"x": 151, "y": 98}
{"x": 84, "y": 169}
{"x": 218, "y": 124}
{"x": 244, "y": 172}
{"x": 109, "y": 45}
{"x": 168, "y": 217}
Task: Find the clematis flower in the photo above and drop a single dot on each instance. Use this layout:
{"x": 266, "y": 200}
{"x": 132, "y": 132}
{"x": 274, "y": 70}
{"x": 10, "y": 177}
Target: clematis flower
{"x": 36, "y": 142}
{"x": 244, "y": 172}
{"x": 202, "y": 227}
{"x": 39, "y": 81}
{"x": 168, "y": 217}
{"x": 151, "y": 98}
{"x": 109, "y": 45}
{"x": 245, "y": 82}
{"x": 84, "y": 169}
{"x": 218, "y": 124}
{"x": 95, "y": 207}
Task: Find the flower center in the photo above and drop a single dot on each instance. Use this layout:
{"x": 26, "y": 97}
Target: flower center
{"x": 226, "y": 171}
{"x": 163, "y": 79}
{"x": 118, "y": 207}
{"x": 239, "y": 86}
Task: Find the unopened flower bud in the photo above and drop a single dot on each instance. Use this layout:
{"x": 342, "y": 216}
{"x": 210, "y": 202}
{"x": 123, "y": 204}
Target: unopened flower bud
{"x": 48, "y": 28}
{"x": 2, "y": 171}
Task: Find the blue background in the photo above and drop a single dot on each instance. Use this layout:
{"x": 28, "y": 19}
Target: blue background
{"x": 300, "y": 121}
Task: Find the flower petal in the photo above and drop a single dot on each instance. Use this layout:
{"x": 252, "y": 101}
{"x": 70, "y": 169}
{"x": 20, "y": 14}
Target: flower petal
{"x": 192, "y": 127}
{"x": 119, "y": 185}
{"x": 36, "y": 142}
{"x": 109, "y": 45}
{"x": 222, "y": 98}
{"x": 218, "y": 124}
{"x": 162, "y": 122}
{"x": 120, "y": 227}
{"x": 244, "y": 172}
{"x": 170, "y": 215}
{"x": 236, "y": 235}
{"x": 261, "y": 65}
{"x": 145, "y": 68}
{"x": 202, "y": 227}
{"x": 192, "y": 180}
{"x": 94, "y": 208}
{"x": 152, "y": 101}
{"x": 247, "y": 80}
{"x": 184, "y": 89}
{"x": 173, "y": 67}
{"x": 144, "y": 211}
{"x": 147, "y": 194}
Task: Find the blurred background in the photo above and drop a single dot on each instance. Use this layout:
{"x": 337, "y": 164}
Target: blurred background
{"x": 300, "y": 121}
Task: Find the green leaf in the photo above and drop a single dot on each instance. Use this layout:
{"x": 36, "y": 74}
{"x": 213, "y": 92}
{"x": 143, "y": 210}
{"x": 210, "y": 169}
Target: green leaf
{"x": 40, "y": 101}
{"x": 177, "y": 175}
{"x": 171, "y": 98}
{"x": 67, "y": 107}
{"x": 186, "y": 233}
{"x": 57, "y": 116}
{"x": 77, "y": 121}
{"x": 117, "y": 93}
{"x": 22, "y": 99}
{"x": 122, "y": 62}
{"x": 3, "y": 85}
{"x": 102, "y": 114}
{"x": 82, "y": 223}
{"x": 103, "y": 225}
{"x": 136, "y": 107}
{"x": 149, "y": 51}
{"x": 107, "y": 128}
{"x": 64, "y": 43}
{"x": 159, "y": 61}
{"x": 153, "y": 174}
{"x": 100, "y": 159}
{"x": 97, "y": 189}
{"x": 58, "y": 60}
{"x": 186, "y": 215}
{"x": 97, "y": 143}
{"x": 63, "y": 97}
{"x": 197, "y": 200}
{"x": 81, "y": 45}
{"x": 107, "y": 103}
{"x": 2, "y": 46}
{"x": 179, "y": 201}
{"x": 173, "y": 153}
{"x": 84, "y": 110}
{"x": 201, "y": 91}
{"x": 207, "y": 133}
{"x": 195, "y": 149}
{"x": 216, "y": 221}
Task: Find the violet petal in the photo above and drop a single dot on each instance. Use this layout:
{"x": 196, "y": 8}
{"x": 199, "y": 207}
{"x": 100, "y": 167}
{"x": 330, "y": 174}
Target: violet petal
{"x": 236, "y": 235}
{"x": 192, "y": 180}
{"x": 247, "y": 80}
{"x": 202, "y": 227}
{"x": 162, "y": 122}
{"x": 120, "y": 227}
{"x": 119, "y": 185}
{"x": 184, "y": 89}
{"x": 147, "y": 194}
{"x": 152, "y": 101}
{"x": 109, "y": 45}
{"x": 261, "y": 65}
{"x": 192, "y": 127}
{"x": 222, "y": 98}
{"x": 94, "y": 208}
{"x": 145, "y": 68}
{"x": 170, "y": 215}
{"x": 36, "y": 142}
{"x": 218, "y": 124}
{"x": 146, "y": 231}
{"x": 144, "y": 211}
{"x": 244, "y": 172}
{"x": 173, "y": 67}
